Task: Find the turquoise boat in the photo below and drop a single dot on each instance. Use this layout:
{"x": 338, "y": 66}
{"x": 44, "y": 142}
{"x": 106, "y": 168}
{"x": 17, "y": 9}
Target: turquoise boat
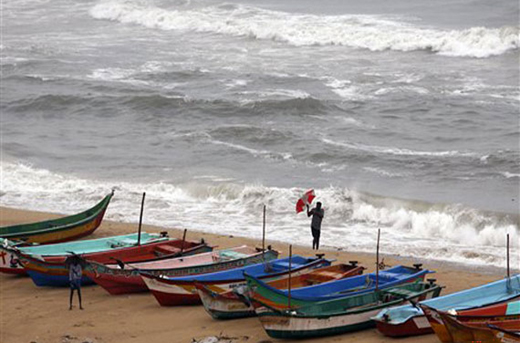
{"x": 9, "y": 261}
{"x": 410, "y": 320}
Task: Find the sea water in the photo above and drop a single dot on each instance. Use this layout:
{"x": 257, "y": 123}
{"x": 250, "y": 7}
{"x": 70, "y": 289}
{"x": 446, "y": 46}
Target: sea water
{"x": 402, "y": 115}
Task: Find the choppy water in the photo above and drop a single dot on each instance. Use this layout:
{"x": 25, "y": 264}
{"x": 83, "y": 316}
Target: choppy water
{"x": 403, "y": 116}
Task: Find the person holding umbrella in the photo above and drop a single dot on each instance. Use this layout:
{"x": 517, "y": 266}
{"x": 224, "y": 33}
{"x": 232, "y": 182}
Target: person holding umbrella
{"x": 317, "y": 214}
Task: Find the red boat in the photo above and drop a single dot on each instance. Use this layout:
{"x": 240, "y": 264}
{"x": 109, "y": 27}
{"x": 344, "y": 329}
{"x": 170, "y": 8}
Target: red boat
{"x": 475, "y": 302}
{"x": 53, "y": 270}
{"x": 116, "y": 280}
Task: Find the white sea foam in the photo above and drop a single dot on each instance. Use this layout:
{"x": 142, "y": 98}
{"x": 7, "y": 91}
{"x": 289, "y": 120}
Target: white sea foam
{"x": 395, "y": 151}
{"x": 110, "y": 74}
{"x": 382, "y": 172}
{"x": 420, "y": 230}
{"x": 510, "y": 175}
{"x": 358, "y": 31}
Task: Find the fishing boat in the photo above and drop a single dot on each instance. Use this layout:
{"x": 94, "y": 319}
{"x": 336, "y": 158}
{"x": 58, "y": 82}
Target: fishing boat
{"x": 463, "y": 332}
{"x": 278, "y": 298}
{"x": 504, "y": 316}
{"x": 58, "y": 230}
{"x": 410, "y": 320}
{"x": 53, "y": 270}
{"x": 182, "y": 290}
{"x": 340, "y": 315}
{"x": 123, "y": 279}
{"x": 224, "y": 303}
{"x": 9, "y": 262}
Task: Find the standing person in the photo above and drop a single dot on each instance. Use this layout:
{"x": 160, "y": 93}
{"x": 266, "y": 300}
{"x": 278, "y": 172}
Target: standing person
{"x": 317, "y": 214}
{"x": 75, "y": 274}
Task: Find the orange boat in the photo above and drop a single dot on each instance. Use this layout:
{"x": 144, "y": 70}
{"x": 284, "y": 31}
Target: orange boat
{"x": 462, "y": 333}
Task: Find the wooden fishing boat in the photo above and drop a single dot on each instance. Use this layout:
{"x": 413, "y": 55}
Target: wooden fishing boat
{"x": 9, "y": 262}
{"x": 184, "y": 287}
{"x": 410, "y": 321}
{"x": 222, "y": 303}
{"x": 462, "y": 332}
{"x": 340, "y": 315}
{"x": 278, "y": 298}
{"x": 116, "y": 280}
{"x": 53, "y": 270}
{"x": 61, "y": 229}
{"x": 182, "y": 291}
{"x": 504, "y": 316}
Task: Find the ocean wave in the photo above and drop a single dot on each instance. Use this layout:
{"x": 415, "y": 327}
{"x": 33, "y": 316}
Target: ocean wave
{"x": 358, "y": 31}
{"x": 396, "y": 151}
{"x": 410, "y": 228}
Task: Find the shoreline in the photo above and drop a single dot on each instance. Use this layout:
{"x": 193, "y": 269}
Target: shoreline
{"x": 39, "y": 314}
{"x": 485, "y": 269}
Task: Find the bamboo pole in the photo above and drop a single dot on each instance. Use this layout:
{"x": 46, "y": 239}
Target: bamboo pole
{"x": 289, "y": 286}
{"x": 183, "y": 240}
{"x": 508, "y": 270}
{"x": 377, "y": 259}
{"x": 141, "y": 220}
{"x": 263, "y": 236}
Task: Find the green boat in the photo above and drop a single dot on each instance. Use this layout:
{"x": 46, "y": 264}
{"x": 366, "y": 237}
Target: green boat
{"x": 341, "y": 315}
{"x": 59, "y": 230}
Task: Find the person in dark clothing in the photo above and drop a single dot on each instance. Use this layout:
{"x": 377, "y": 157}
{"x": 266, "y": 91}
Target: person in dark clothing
{"x": 317, "y": 214}
{"x": 75, "y": 274}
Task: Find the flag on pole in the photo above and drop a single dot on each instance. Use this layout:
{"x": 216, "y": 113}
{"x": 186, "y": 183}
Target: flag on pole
{"x": 306, "y": 199}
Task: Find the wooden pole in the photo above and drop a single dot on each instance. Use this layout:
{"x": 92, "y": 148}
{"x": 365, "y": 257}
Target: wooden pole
{"x": 289, "y": 286}
{"x": 508, "y": 271}
{"x": 263, "y": 236}
{"x": 377, "y": 259}
{"x": 183, "y": 240}
{"x": 141, "y": 220}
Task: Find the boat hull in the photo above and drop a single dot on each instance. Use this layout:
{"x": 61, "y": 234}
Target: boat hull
{"x": 128, "y": 280}
{"x": 59, "y": 230}
{"x": 278, "y": 299}
{"x": 459, "y": 332}
{"x": 295, "y": 324}
{"x": 171, "y": 292}
{"x": 227, "y": 304}
{"x": 409, "y": 321}
{"x": 412, "y": 327}
{"x": 53, "y": 271}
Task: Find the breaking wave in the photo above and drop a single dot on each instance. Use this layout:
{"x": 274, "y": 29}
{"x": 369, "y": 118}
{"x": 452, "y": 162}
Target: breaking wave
{"x": 374, "y": 33}
{"x": 410, "y": 228}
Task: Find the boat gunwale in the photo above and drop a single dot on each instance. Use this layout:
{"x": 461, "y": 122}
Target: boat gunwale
{"x": 65, "y": 223}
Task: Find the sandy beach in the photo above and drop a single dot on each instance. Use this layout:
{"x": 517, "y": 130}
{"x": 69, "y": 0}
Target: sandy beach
{"x": 33, "y": 314}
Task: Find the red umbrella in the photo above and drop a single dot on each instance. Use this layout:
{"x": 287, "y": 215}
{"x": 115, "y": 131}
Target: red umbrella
{"x": 306, "y": 199}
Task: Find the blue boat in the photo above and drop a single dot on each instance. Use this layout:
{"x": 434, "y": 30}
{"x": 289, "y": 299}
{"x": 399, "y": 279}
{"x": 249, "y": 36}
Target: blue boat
{"x": 410, "y": 320}
{"x": 259, "y": 270}
{"x": 336, "y": 289}
{"x": 182, "y": 290}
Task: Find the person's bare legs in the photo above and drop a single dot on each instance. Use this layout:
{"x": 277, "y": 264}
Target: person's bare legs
{"x": 79, "y": 296}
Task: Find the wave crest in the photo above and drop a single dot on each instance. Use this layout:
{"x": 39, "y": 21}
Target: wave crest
{"x": 358, "y": 31}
